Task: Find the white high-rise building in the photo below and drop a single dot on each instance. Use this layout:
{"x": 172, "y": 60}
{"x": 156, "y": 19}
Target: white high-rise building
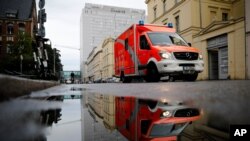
{"x": 99, "y": 22}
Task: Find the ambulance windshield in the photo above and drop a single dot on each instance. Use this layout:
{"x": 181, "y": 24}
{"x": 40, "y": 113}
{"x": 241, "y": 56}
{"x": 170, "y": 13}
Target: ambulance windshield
{"x": 166, "y": 39}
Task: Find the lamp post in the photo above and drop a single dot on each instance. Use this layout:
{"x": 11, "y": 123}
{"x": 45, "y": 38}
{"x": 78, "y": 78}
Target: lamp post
{"x": 21, "y": 63}
{"x": 55, "y": 51}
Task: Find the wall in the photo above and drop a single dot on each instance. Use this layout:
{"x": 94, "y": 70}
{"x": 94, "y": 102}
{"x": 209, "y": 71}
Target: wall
{"x": 12, "y": 87}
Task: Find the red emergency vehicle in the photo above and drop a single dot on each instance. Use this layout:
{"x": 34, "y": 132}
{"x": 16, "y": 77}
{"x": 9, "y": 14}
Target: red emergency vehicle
{"x": 148, "y": 120}
{"x": 153, "y": 51}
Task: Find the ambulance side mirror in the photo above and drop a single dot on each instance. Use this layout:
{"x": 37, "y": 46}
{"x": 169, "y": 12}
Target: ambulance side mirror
{"x": 190, "y": 44}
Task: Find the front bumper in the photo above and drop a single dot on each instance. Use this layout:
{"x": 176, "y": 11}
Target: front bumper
{"x": 177, "y": 66}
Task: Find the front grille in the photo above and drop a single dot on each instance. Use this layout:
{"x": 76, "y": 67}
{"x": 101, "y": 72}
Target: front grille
{"x": 186, "y": 55}
{"x": 188, "y": 112}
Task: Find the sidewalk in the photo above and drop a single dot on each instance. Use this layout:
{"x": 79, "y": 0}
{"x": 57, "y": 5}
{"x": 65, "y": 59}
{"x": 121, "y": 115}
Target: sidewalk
{"x": 11, "y": 87}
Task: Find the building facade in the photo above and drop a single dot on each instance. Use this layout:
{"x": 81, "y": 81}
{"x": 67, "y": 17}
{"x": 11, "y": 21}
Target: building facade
{"x": 108, "y": 59}
{"x": 215, "y": 27}
{"x": 100, "y": 21}
{"x": 100, "y": 63}
{"x": 16, "y": 16}
{"x": 94, "y": 65}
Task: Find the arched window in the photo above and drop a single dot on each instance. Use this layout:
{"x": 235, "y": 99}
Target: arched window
{"x": 10, "y": 28}
{"x": 21, "y": 27}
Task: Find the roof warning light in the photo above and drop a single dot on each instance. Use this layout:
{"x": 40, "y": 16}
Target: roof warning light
{"x": 170, "y": 25}
{"x": 141, "y": 22}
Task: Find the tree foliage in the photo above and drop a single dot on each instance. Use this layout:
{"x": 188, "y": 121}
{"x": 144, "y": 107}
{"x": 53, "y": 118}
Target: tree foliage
{"x": 12, "y": 60}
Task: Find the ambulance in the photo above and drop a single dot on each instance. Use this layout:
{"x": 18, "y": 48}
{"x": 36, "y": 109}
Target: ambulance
{"x": 154, "y": 51}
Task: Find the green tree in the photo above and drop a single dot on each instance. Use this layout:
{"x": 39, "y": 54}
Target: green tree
{"x": 53, "y": 61}
{"x": 12, "y": 61}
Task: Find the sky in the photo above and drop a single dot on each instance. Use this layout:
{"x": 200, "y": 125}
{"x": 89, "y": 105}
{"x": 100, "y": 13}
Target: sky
{"x": 63, "y": 26}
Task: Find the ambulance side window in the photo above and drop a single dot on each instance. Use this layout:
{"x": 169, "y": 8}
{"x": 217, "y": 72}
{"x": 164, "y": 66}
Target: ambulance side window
{"x": 126, "y": 44}
{"x": 144, "y": 43}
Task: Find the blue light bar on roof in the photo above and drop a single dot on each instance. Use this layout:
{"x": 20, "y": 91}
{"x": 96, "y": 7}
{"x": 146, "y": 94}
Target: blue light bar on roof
{"x": 170, "y": 25}
{"x": 141, "y": 22}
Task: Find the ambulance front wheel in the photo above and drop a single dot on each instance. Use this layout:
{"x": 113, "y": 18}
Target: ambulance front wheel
{"x": 152, "y": 73}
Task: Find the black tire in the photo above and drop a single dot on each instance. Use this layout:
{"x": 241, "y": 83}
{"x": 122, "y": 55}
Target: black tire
{"x": 125, "y": 79}
{"x": 171, "y": 78}
{"x": 152, "y": 74}
{"x": 190, "y": 77}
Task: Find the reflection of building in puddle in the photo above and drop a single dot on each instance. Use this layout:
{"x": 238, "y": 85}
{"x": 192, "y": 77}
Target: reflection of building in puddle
{"x": 98, "y": 118}
{"x": 140, "y": 119}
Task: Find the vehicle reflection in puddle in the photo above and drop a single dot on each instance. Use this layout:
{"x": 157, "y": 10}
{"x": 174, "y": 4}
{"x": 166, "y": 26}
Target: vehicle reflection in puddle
{"x": 137, "y": 119}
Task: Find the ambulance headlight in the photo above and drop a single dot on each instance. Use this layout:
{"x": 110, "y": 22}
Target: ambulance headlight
{"x": 200, "y": 57}
{"x": 166, "y": 55}
{"x": 166, "y": 114}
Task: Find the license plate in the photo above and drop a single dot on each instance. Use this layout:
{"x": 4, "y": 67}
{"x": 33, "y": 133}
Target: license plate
{"x": 188, "y": 68}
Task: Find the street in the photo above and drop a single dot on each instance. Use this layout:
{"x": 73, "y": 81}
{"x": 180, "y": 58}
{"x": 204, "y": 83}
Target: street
{"x": 81, "y": 108}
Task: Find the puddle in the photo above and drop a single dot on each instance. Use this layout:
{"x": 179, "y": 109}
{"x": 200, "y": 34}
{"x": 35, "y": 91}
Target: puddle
{"x": 80, "y": 115}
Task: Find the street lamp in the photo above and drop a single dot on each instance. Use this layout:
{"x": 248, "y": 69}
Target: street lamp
{"x": 54, "y": 52}
{"x": 21, "y": 63}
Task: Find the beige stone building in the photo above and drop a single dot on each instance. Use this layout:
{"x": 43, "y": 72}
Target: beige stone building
{"x": 95, "y": 101}
{"x": 215, "y": 27}
{"x": 100, "y": 63}
{"x": 94, "y": 65}
{"x": 108, "y": 59}
{"x": 109, "y": 112}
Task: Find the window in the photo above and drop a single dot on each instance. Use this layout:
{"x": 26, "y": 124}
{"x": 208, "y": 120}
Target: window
{"x": 224, "y": 16}
{"x": 177, "y": 23}
{"x": 21, "y": 27}
{"x": 10, "y": 28}
{"x": 155, "y": 12}
{"x": 166, "y": 39}
{"x": 127, "y": 124}
{"x": 212, "y": 16}
{"x": 144, "y": 43}
{"x": 8, "y": 49}
{"x": 126, "y": 44}
{"x": 145, "y": 124}
{"x": 164, "y": 6}
{"x": 10, "y": 38}
{"x": 177, "y": 1}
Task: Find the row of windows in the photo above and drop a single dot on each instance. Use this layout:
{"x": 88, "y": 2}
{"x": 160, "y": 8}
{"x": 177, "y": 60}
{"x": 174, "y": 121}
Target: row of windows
{"x": 10, "y": 28}
{"x": 214, "y": 14}
{"x": 164, "y": 4}
{"x": 8, "y": 38}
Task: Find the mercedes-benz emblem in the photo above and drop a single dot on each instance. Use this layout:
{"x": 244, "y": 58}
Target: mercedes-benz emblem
{"x": 188, "y": 55}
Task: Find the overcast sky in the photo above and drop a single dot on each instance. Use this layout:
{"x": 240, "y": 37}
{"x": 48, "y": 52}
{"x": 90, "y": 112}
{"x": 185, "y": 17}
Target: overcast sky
{"x": 63, "y": 25}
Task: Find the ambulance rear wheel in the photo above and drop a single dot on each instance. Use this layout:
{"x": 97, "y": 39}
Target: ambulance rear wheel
{"x": 125, "y": 79}
{"x": 152, "y": 74}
